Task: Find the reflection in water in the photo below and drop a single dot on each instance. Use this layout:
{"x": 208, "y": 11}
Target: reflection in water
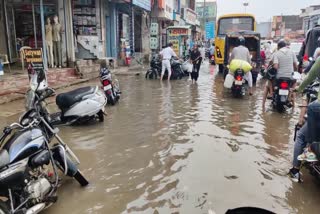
{"x": 173, "y": 147}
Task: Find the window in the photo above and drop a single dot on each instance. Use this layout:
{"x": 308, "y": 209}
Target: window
{"x": 228, "y": 25}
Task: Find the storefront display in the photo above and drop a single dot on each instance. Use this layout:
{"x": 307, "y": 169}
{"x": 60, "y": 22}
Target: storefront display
{"x": 23, "y": 25}
{"x": 84, "y": 17}
{"x": 179, "y": 37}
{"x": 87, "y": 29}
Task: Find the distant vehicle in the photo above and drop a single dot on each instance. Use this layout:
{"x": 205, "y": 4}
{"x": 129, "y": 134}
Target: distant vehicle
{"x": 227, "y": 24}
{"x": 295, "y": 47}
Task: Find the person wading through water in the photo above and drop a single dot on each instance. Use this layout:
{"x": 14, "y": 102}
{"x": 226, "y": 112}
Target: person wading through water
{"x": 195, "y": 59}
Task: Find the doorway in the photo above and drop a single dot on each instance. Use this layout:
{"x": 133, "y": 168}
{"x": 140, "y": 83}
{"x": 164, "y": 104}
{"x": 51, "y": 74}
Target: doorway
{"x": 137, "y": 33}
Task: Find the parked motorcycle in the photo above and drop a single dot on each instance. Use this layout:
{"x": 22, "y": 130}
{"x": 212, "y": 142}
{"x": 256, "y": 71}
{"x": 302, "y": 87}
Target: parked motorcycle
{"x": 29, "y": 166}
{"x": 176, "y": 70}
{"x": 77, "y": 106}
{"x": 155, "y": 68}
{"x": 239, "y": 86}
{"x": 111, "y": 88}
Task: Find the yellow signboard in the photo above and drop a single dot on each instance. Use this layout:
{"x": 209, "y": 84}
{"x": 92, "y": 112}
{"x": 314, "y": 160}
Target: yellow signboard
{"x": 175, "y": 46}
{"x": 33, "y": 58}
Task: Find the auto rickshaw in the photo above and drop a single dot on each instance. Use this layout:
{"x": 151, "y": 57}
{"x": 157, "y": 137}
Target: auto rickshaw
{"x": 252, "y": 43}
{"x": 311, "y": 41}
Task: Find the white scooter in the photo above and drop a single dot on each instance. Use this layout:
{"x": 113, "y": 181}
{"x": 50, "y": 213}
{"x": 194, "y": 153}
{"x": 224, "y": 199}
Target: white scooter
{"x": 77, "y": 106}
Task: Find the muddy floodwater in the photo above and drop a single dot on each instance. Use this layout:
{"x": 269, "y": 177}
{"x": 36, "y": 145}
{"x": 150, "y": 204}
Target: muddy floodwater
{"x": 181, "y": 148}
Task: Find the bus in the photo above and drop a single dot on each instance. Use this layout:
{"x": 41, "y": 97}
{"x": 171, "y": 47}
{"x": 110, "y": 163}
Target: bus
{"x": 227, "y": 24}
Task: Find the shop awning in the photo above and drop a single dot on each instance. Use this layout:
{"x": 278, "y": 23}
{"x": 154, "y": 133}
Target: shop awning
{"x": 179, "y": 27}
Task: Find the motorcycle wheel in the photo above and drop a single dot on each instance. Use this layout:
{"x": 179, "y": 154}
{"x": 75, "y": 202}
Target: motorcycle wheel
{"x": 221, "y": 68}
{"x": 111, "y": 100}
{"x": 101, "y": 116}
{"x": 81, "y": 179}
{"x": 3, "y": 208}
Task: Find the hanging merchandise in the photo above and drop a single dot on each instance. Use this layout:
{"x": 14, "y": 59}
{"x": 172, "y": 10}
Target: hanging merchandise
{"x": 1, "y": 67}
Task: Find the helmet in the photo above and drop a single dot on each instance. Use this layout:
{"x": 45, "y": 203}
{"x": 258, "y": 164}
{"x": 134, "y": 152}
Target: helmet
{"x": 242, "y": 40}
{"x": 281, "y": 44}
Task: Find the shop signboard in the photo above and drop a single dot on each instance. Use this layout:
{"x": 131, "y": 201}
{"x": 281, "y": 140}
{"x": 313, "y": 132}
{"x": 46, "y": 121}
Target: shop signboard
{"x": 190, "y": 16}
{"x": 145, "y": 4}
{"x": 210, "y": 28}
{"x": 34, "y": 58}
{"x": 209, "y": 11}
{"x": 178, "y": 32}
{"x": 178, "y": 37}
{"x": 175, "y": 45}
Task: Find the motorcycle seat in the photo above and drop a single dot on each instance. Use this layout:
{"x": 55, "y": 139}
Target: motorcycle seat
{"x": 65, "y": 100}
{"x": 4, "y": 158}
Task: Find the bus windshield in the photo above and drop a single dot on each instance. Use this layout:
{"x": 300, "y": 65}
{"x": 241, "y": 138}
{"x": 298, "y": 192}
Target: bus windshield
{"x": 233, "y": 24}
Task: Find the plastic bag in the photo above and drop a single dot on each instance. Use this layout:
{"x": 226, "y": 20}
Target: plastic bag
{"x": 1, "y": 68}
{"x": 228, "y": 82}
{"x": 239, "y": 64}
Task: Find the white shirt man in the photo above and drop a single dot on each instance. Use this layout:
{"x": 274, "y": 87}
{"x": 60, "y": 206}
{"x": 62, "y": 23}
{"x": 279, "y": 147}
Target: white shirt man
{"x": 167, "y": 53}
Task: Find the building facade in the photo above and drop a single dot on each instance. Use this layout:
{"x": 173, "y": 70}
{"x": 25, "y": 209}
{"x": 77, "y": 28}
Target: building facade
{"x": 264, "y": 28}
{"x": 207, "y": 15}
{"x": 287, "y": 27}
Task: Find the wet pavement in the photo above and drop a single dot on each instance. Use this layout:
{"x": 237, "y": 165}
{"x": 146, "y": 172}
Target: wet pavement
{"x": 181, "y": 148}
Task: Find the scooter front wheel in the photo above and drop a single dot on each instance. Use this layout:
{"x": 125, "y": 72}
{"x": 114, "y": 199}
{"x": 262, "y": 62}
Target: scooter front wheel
{"x": 101, "y": 116}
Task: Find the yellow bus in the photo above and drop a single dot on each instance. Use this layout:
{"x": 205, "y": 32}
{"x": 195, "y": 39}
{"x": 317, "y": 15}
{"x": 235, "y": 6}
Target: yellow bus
{"x": 227, "y": 24}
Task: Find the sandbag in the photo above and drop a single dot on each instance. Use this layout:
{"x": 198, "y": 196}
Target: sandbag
{"x": 239, "y": 64}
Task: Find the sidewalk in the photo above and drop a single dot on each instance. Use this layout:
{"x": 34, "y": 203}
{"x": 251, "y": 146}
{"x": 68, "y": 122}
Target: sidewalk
{"x": 14, "y": 85}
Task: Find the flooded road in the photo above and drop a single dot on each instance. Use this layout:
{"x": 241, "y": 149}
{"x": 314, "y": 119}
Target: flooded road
{"x": 181, "y": 148}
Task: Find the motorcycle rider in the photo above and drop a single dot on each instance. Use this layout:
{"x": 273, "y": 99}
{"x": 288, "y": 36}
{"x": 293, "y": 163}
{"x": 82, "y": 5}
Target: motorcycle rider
{"x": 166, "y": 54}
{"x": 303, "y": 134}
{"x": 285, "y": 62}
{"x": 242, "y": 53}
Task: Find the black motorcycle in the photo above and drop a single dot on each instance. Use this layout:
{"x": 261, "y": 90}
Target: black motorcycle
{"x": 155, "y": 68}
{"x": 111, "y": 88}
{"x": 239, "y": 86}
{"x": 29, "y": 165}
{"x": 176, "y": 70}
{"x": 281, "y": 94}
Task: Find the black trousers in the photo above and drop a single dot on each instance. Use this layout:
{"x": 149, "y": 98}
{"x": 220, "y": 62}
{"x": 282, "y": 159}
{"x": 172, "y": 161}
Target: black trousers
{"x": 196, "y": 69}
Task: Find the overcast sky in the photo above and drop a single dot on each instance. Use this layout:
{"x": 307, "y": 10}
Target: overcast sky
{"x": 264, "y": 9}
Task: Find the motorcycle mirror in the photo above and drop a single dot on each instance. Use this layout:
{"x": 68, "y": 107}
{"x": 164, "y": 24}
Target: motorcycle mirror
{"x": 310, "y": 59}
{"x": 41, "y": 76}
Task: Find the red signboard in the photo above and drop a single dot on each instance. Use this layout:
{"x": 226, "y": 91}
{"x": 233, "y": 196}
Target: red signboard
{"x": 178, "y": 31}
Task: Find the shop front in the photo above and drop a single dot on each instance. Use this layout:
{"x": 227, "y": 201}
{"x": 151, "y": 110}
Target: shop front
{"x": 23, "y": 29}
{"x": 88, "y": 28}
{"x": 179, "y": 36}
